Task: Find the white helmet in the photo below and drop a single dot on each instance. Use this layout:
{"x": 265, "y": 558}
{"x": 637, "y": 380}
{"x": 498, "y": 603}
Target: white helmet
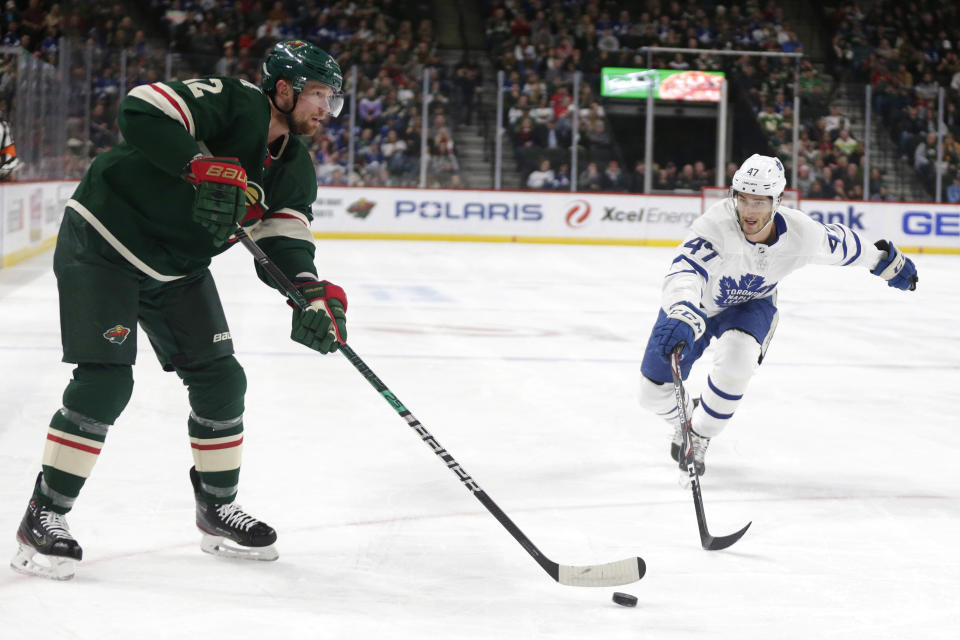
{"x": 760, "y": 175}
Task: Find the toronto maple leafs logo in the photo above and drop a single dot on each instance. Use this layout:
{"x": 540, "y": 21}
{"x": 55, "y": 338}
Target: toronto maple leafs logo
{"x": 750, "y": 286}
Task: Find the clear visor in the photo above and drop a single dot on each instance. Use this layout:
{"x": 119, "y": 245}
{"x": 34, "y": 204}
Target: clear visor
{"x": 332, "y": 102}
{"x": 755, "y": 205}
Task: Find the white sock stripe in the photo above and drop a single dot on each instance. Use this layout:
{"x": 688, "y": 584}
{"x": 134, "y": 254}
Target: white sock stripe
{"x": 215, "y": 441}
{"x": 80, "y": 440}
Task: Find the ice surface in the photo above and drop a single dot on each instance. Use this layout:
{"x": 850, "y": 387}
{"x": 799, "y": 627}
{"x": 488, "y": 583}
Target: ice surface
{"x": 522, "y": 360}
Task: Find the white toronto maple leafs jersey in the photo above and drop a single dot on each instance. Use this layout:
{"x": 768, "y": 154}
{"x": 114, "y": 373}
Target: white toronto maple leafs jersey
{"x": 716, "y": 267}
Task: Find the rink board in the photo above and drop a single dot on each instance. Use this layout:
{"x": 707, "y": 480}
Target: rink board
{"x": 30, "y": 214}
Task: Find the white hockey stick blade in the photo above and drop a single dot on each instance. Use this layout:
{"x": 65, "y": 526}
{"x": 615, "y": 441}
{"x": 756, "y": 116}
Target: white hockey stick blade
{"x": 603, "y": 575}
{"x": 220, "y": 546}
{"x": 27, "y": 561}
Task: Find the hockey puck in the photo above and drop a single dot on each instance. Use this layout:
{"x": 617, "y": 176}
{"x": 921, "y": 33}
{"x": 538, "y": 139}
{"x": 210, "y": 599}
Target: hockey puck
{"x": 624, "y": 599}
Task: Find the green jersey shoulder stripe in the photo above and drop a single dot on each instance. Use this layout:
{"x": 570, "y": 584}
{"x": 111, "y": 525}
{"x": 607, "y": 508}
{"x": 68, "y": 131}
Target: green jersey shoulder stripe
{"x": 165, "y": 99}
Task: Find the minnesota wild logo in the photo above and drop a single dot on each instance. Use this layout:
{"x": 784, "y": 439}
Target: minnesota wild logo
{"x": 256, "y": 202}
{"x": 361, "y": 208}
{"x": 116, "y": 334}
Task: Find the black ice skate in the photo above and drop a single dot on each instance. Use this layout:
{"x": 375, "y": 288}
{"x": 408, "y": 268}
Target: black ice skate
{"x": 47, "y": 548}
{"x": 222, "y": 524}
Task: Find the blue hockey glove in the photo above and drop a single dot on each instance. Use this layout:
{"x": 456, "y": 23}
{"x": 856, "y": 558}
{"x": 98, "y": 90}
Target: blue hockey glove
{"x": 896, "y": 269}
{"x": 683, "y": 323}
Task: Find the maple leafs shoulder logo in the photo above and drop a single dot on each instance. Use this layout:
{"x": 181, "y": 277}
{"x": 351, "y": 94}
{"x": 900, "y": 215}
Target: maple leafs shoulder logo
{"x": 749, "y": 287}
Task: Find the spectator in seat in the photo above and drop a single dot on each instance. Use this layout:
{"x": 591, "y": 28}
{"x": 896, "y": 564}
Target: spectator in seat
{"x": 613, "y": 178}
{"x": 925, "y": 158}
{"x": 883, "y": 195}
{"x": 839, "y": 191}
{"x": 685, "y": 178}
{"x": 826, "y": 183}
{"x": 542, "y": 178}
{"x": 370, "y": 109}
{"x": 844, "y": 143}
{"x": 638, "y": 178}
{"x": 590, "y": 179}
{"x": 953, "y": 191}
{"x": 835, "y": 122}
{"x": 804, "y": 179}
{"x": 561, "y": 179}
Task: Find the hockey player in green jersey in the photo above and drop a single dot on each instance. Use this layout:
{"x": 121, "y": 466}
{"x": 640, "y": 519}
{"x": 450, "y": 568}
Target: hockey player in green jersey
{"x": 134, "y": 247}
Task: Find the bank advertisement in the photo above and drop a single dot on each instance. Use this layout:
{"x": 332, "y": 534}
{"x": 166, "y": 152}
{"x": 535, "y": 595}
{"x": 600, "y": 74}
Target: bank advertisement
{"x": 920, "y": 226}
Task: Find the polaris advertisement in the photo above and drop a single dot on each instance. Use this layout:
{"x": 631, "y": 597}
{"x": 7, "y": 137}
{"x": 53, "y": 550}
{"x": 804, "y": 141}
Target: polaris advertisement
{"x": 589, "y": 218}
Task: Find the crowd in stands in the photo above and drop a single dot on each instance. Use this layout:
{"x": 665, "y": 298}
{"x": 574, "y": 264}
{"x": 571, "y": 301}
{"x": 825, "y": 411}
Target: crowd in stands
{"x": 907, "y": 53}
{"x": 390, "y": 43}
{"x": 540, "y": 45}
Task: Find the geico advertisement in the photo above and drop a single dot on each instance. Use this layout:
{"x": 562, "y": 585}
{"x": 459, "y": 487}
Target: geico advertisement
{"x": 910, "y": 224}
{"x": 508, "y": 213}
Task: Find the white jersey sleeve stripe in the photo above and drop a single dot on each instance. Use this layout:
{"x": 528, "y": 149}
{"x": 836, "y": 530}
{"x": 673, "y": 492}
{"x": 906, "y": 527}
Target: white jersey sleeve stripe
{"x": 165, "y": 99}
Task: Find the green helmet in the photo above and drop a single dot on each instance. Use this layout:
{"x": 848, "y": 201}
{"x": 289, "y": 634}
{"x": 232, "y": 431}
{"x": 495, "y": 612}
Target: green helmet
{"x": 298, "y": 62}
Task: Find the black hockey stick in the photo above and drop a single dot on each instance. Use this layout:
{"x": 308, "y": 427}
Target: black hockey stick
{"x": 708, "y": 541}
{"x": 598, "y": 575}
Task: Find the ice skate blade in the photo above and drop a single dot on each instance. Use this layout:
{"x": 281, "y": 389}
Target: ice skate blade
{"x": 25, "y": 561}
{"x": 220, "y": 546}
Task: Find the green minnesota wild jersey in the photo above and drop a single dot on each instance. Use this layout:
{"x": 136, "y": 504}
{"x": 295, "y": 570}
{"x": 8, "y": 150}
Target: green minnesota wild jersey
{"x": 278, "y": 216}
{"x": 135, "y": 196}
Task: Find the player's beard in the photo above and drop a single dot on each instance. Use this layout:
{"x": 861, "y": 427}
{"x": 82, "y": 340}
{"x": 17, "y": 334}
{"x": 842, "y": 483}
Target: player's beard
{"x": 302, "y": 125}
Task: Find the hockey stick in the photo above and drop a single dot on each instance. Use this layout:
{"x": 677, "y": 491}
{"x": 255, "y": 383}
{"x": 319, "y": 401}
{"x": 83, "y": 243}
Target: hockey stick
{"x": 598, "y": 575}
{"x": 709, "y": 542}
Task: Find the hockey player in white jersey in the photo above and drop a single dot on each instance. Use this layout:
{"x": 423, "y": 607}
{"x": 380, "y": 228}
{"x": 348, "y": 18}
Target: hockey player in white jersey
{"x": 722, "y": 284}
